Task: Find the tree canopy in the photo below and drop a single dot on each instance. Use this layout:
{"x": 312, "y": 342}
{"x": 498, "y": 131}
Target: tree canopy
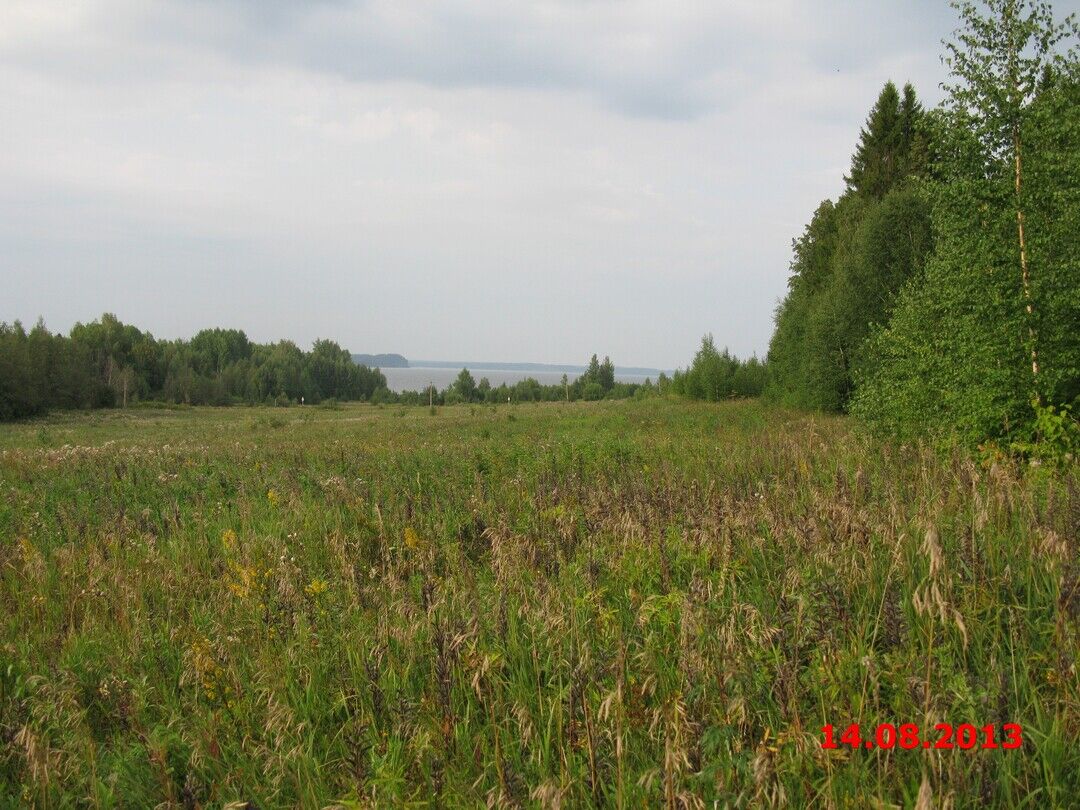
{"x": 991, "y": 333}
{"x": 853, "y": 257}
{"x": 938, "y": 295}
{"x": 106, "y": 362}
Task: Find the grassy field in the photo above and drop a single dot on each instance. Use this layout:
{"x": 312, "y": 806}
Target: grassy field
{"x": 632, "y": 604}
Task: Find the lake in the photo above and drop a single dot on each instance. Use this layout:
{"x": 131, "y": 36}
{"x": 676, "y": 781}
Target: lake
{"x": 419, "y": 378}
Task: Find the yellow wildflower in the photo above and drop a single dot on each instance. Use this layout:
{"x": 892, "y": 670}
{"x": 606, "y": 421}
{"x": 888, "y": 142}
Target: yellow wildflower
{"x": 242, "y": 580}
{"x": 316, "y": 587}
{"x": 766, "y": 745}
{"x": 228, "y": 539}
{"x": 207, "y": 668}
{"x": 412, "y": 539}
{"x": 273, "y": 497}
{"x": 26, "y": 549}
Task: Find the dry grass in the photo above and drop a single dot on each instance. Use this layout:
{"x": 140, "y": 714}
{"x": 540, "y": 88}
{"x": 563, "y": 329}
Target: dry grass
{"x": 630, "y": 604}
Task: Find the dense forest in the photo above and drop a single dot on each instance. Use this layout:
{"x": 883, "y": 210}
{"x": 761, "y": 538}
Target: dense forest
{"x": 108, "y": 363}
{"x": 938, "y": 296}
{"x": 853, "y": 257}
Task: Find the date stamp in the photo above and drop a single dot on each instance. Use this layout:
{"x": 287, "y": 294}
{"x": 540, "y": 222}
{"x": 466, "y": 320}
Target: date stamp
{"x": 909, "y": 736}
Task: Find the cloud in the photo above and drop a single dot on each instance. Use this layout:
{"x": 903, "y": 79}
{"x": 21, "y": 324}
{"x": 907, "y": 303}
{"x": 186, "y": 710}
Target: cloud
{"x": 491, "y": 179}
{"x": 672, "y": 60}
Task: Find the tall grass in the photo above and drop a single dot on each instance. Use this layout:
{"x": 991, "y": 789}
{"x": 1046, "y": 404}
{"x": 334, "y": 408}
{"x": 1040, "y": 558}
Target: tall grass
{"x": 653, "y": 603}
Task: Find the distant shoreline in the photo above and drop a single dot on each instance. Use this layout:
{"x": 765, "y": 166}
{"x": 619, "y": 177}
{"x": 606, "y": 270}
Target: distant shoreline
{"x": 398, "y": 361}
{"x": 419, "y": 377}
{"x": 549, "y": 367}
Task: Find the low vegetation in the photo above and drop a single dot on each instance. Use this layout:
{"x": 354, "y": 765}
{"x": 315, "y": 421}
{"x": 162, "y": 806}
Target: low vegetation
{"x": 644, "y": 603}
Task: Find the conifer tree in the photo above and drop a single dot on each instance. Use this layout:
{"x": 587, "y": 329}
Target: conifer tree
{"x": 852, "y": 259}
{"x": 891, "y": 144}
{"x": 991, "y": 329}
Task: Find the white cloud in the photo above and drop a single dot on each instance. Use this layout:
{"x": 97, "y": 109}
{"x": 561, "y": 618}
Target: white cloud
{"x": 500, "y": 180}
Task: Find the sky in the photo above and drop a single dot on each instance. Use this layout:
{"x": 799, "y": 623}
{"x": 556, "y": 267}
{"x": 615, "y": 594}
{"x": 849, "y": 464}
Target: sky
{"x": 484, "y": 180}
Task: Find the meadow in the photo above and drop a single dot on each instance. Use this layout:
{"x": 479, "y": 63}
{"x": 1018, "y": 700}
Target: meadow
{"x": 654, "y": 603}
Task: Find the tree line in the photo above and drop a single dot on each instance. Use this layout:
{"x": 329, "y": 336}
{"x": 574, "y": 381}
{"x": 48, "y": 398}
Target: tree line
{"x": 107, "y": 363}
{"x": 938, "y": 295}
{"x": 713, "y": 375}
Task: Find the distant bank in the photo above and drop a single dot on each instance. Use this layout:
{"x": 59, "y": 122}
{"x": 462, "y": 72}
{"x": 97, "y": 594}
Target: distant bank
{"x": 385, "y": 361}
{"x": 416, "y": 375}
{"x": 543, "y": 368}
{"x": 380, "y": 360}
{"x": 418, "y": 378}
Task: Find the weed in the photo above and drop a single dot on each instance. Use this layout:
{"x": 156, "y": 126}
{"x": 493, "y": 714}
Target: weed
{"x": 645, "y": 603}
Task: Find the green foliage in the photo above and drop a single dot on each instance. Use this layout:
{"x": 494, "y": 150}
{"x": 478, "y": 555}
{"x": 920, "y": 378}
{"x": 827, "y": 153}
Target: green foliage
{"x": 715, "y": 375}
{"x": 938, "y": 296}
{"x": 599, "y": 374}
{"x": 1052, "y": 194}
{"x": 956, "y": 359}
{"x": 465, "y": 387}
{"x": 852, "y": 258}
{"x": 106, "y": 363}
{"x": 998, "y": 60}
{"x": 1056, "y": 436}
{"x": 592, "y": 391}
{"x": 892, "y": 146}
{"x": 951, "y": 359}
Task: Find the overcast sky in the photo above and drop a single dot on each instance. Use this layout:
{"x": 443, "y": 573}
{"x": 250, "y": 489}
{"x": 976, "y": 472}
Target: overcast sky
{"x": 485, "y": 180}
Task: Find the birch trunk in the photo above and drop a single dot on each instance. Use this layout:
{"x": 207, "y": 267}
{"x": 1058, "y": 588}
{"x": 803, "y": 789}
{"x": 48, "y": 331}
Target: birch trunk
{"x": 1025, "y": 277}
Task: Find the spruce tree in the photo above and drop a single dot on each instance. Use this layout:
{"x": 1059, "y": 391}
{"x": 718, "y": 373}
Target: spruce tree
{"x": 891, "y": 145}
{"x": 853, "y": 257}
{"x": 993, "y": 324}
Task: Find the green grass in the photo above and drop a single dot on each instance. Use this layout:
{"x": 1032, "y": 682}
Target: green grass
{"x": 632, "y": 604}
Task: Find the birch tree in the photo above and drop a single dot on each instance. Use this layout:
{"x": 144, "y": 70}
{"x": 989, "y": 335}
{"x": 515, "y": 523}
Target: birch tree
{"x": 997, "y": 59}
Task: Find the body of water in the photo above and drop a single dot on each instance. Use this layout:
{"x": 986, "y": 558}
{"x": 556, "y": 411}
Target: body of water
{"x": 419, "y": 378}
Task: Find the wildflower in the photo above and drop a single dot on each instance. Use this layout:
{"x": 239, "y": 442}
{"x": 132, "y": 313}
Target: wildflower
{"x": 228, "y": 539}
{"x": 207, "y": 668}
{"x": 238, "y": 589}
{"x": 412, "y": 539}
{"x": 273, "y": 497}
{"x": 316, "y": 587}
{"x": 241, "y": 580}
